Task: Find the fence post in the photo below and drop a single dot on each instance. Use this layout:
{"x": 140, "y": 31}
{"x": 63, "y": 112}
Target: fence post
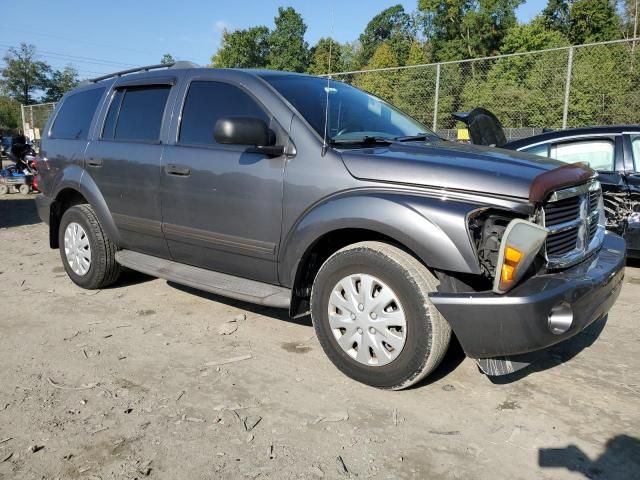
{"x": 567, "y": 90}
{"x": 22, "y": 113}
{"x": 436, "y": 98}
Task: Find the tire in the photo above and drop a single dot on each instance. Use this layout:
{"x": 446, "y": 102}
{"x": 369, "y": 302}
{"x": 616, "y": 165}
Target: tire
{"x": 383, "y": 269}
{"x": 103, "y": 270}
{"x": 4, "y": 189}
{"x": 24, "y": 189}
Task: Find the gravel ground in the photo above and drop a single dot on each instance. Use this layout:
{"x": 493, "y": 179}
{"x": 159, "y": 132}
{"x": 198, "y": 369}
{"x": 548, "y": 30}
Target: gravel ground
{"x": 130, "y": 382}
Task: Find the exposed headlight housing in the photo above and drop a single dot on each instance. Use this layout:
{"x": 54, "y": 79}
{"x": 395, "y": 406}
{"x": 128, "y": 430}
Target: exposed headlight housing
{"x": 521, "y": 242}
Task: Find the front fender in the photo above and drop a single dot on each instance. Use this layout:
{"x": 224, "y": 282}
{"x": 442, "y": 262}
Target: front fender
{"x": 432, "y": 228}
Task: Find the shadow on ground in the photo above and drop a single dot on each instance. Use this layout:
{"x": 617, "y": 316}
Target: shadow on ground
{"x": 556, "y": 355}
{"x": 17, "y": 210}
{"x": 619, "y": 461}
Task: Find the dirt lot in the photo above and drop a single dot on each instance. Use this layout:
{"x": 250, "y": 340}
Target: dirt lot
{"x": 126, "y": 383}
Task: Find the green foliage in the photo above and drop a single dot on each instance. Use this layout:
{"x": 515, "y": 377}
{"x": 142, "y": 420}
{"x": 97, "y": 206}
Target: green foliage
{"x": 523, "y": 90}
{"x": 529, "y": 37}
{"x": 23, "y": 75}
{"x": 243, "y": 49}
{"x": 9, "y": 113}
{"x": 381, "y": 84}
{"x": 166, "y": 59}
{"x": 556, "y": 16}
{"x": 594, "y": 21}
{"x": 61, "y": 82}
{"x": 287, "y": 47}
{"x": 350, "y": 54}
{"x": 392, "y": 26}
{"x": 583, "y": 21}
{"x": 467, "y": 28}
{"x": 325, "y": 48}
{"x": 596, "y": 98}
{"x": 416, "y": 86}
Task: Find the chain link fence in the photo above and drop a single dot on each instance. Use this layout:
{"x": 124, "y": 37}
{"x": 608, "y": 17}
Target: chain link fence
{"x": 34, "y": 119}
{"x": 582, "y": 85}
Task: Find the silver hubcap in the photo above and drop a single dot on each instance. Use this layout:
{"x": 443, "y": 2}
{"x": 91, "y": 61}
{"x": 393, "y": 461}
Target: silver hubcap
{"x": 367, "y": 319}
{"x": 77, "y": 249}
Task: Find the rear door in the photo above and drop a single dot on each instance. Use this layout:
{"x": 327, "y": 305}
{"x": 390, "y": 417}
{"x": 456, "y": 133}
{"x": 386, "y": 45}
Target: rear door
{"x": 222, "y": 204}
{"x": 125, "y": 161}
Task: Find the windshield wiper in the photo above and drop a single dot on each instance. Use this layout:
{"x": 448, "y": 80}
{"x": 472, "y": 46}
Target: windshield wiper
{"x": 413, "y": 138}
{"x": 366, "y": 140}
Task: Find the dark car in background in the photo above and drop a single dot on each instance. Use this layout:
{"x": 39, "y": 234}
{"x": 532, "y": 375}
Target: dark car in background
{"x": 613, "y": 151}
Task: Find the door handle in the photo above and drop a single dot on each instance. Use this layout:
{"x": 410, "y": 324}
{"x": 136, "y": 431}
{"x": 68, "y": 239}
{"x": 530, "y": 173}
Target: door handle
{"x": 94, "y": 162}
{"x": 180, "y": 170}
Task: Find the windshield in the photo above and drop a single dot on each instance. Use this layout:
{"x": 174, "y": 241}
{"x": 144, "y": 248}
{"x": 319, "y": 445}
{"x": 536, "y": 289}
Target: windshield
{"x": 353, "y": 114}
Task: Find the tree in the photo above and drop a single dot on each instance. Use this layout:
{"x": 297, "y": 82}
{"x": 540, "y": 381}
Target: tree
{"x": 392, "y": 26}
{"x": 594, "y": 21}
{"x": 556, "y": 16}
{"x": 243, "y": 49}
{"x": 23, "y": 75}
{"x": 166, "y": 59}
{"x": 583, "y": 21}
{"x": 382, "y": 84}
{"x": 319, "y": 54}
{"x": 287, "y": 47}
{"x": 467, "y": 28}
{"x": 9, "y": 113}
{"x": 61, "y": 82}
{"x": 416, "y": 86}
{"x": 350, "y": 54}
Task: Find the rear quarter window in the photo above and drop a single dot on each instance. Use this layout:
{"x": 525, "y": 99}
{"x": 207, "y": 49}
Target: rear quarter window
{"x": 75, "y": 115}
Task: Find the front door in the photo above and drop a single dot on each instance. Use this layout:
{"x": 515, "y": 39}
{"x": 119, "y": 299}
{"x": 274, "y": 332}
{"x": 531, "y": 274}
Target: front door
{"x": 221, "y": 205}
{"x": 125, "y": 164}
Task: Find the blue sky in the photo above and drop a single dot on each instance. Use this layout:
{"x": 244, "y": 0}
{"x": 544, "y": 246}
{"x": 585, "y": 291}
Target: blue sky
{"x": 99, "y": 37}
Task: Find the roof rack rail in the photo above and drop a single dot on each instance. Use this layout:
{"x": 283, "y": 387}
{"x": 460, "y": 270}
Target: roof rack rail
{"x": 179, "y": 64}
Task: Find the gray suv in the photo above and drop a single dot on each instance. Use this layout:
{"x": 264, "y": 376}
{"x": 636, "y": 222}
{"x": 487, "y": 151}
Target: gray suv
{"x": 304, "y": 193}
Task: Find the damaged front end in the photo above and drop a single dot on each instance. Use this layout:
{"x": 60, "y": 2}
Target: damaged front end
{"x": 622, "y": 210}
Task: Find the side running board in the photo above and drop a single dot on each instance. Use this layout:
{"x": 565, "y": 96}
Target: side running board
{"x": 202, "y": 279}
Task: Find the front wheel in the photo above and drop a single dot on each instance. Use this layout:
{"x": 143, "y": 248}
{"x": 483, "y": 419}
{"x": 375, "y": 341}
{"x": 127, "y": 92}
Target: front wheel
{"x": 88, "y": 255}
{"x": 373, "y": 317}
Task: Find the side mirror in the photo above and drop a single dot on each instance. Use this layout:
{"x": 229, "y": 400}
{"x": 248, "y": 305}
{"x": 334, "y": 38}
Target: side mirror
{"x": 247, "y": 131}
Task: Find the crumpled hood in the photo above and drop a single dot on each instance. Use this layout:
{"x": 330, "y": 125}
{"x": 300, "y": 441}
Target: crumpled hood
{"x": 450, "y": 165}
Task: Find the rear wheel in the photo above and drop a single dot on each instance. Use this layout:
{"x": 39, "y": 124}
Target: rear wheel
{"x": 4, "y": 189}
{"x": 373, "y": 317}
{"x": 24, "y": 189}
{"x": 87, "y": 253}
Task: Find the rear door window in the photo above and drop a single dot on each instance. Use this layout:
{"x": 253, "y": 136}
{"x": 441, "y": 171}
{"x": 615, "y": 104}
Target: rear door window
{"x": 75, "y": 115}
{"x": 597, "y": 153}
{"x": 207, "y": 102}
{"x": 136, "y": 113}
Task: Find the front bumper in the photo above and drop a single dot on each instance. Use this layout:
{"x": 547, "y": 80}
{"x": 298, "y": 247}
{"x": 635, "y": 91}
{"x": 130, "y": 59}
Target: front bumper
{"x": 489, "y": 325}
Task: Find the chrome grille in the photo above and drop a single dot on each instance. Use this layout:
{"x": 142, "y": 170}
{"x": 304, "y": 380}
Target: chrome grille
{"x": 573, "y": 218}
